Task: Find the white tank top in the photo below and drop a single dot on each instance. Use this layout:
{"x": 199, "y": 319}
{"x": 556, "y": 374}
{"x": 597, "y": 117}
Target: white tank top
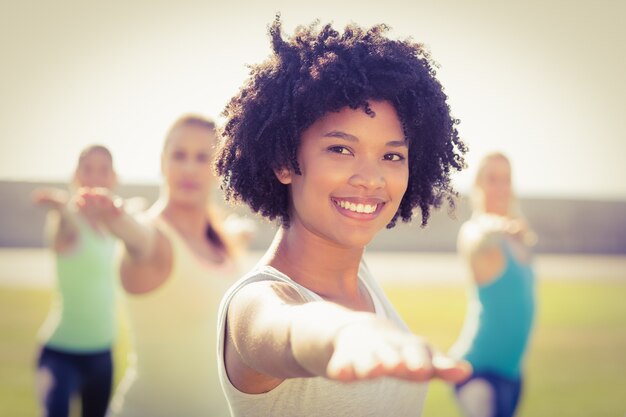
{"x": 321, "y": 397}
{"x": 173, "y": 371}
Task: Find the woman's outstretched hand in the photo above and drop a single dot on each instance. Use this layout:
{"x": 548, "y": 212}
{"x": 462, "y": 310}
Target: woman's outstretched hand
{"x": 376, "y": 348}
{"x": 98, "y": 205}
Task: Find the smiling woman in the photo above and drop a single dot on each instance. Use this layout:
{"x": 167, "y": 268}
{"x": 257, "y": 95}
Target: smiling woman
{"x": 359, "y": 162}
{"x": 337, "y": 136}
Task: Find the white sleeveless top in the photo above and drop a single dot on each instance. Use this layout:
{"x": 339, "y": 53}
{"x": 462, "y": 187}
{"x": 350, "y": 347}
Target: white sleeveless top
{"x": 173, "y": 370}
{"x": 321, "y": 397}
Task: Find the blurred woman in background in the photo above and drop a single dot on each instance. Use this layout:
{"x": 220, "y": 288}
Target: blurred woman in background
{"x": 177, "y": 263}
{"x": 79, "y": 332}
{"x": 496, "y": 245}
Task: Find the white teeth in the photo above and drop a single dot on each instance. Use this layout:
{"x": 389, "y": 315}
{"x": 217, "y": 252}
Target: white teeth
{"x": 358, "y": 208}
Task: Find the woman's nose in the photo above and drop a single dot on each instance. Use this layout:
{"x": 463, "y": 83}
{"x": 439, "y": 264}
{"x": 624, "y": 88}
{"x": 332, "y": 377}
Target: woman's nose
{"x": 369, "y": 175}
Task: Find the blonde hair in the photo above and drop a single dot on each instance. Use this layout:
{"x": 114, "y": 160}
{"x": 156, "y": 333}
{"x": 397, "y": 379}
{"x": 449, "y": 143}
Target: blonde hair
{"x": 189, "y": 119}
{"x": 514, "y": 210}
{"x": 478, "y": 197}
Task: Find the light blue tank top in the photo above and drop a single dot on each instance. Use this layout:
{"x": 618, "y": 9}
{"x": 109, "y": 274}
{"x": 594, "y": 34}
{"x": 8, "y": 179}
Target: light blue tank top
{"x": 499, "y": 320}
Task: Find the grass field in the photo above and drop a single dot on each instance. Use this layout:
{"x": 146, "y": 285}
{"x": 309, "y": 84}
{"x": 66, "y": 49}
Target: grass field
{"x": 576, "y": 366}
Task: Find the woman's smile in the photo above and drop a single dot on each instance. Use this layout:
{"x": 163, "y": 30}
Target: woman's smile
{"x": 358, "y": 162}
{"x": 358, "y": 208}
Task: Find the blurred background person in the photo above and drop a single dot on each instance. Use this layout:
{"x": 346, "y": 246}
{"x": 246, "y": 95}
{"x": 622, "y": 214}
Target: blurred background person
{"x": 178, "y": 261}
{"x": 495, "y": 243}
{"x": 78, "y": 334}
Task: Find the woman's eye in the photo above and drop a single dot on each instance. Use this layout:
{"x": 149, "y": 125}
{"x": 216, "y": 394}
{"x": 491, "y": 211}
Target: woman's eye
{"x": 340, "y": 150}
{"x": 393, "y": 157}
{"x": 202, "y": 158}
{"x": 179, "y": 156}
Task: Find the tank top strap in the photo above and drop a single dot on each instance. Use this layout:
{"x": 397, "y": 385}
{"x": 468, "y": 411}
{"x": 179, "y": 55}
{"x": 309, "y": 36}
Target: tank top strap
{"x": 268, "y": 273}
{"x": 180, "y": 255}
{"x": 512, "y": 259}
{"x": 378, "y": 296}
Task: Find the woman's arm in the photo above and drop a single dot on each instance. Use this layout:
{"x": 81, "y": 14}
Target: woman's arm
{"x": 274, "y": 335}
{"x": 61, "y": 229}
{"x": 480, "y": 244}
{"x": 146, "y": 261}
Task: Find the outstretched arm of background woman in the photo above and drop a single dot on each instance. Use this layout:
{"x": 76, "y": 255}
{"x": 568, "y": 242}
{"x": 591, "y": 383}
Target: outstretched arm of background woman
{"x": 100, "y": 205}
{"x": 61, "y": 228}
{"x": 147, "y": 259}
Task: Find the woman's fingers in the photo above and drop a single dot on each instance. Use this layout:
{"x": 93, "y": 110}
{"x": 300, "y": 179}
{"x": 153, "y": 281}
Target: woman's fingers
{"x": 367, "y": 350}
{"x": 340, "y": 368}
{"x": 418, "y": 359}
{"x": 98, "y": 201}
{"x": 389, "y": 357}
{"x": 393, "y": 353}
{"x": 449, "y": 369}
{"x": 379, "y": 348}
{"x": 367, "y": 365}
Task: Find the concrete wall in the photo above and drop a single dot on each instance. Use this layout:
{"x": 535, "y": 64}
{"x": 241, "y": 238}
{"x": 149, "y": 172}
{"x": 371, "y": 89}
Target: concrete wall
{"x": 563, "y": 226}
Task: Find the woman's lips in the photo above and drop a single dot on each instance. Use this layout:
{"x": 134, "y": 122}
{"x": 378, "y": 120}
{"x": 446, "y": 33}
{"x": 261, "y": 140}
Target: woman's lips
{"x": 188, "y": 185}
{"x": 364, "y": 209}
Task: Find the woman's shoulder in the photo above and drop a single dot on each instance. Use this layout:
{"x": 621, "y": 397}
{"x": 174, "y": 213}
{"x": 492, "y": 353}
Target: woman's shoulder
{"x": 267, "y": 276}
{"x": 261, "y": 288}
{"x": 153, "y": 214}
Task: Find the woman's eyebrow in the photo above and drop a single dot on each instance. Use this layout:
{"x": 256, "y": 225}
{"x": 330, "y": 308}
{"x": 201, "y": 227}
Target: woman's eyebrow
{"x": 351, "y": 138}
{"x": 398, "y": 143}
{"x": 341, "y": 135}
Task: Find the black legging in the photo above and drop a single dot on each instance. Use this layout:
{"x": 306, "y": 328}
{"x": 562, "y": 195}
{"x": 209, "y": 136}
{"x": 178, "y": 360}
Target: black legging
{"x": 505, "y": 393}
{"x": 67, "y": 374}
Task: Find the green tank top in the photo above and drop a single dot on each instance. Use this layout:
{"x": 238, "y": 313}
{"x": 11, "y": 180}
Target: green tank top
{"x": 83, "y": 316}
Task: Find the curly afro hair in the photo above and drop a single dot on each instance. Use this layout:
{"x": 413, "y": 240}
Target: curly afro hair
{"x": 318, "y": 71}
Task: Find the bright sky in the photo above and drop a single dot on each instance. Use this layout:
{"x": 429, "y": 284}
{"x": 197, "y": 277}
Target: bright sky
{"x": 542, "y": 81}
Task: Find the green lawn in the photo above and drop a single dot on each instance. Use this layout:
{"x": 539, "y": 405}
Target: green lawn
{"x": 576, "y": 367}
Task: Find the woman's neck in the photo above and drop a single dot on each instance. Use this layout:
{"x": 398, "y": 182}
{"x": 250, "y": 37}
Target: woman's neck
{"x": 317, "y": 264}
{"x": 189, "y": 220}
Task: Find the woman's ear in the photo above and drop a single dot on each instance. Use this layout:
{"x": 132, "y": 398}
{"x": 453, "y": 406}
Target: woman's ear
{"x": 283, "y": 175}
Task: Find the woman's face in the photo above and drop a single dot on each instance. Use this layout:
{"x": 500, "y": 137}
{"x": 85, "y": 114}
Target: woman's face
{"x": 186, "y": 164}
{"x": 354, "y": 175}
{"x": 495, "y": 184}
{"x": 95, "y": 169}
